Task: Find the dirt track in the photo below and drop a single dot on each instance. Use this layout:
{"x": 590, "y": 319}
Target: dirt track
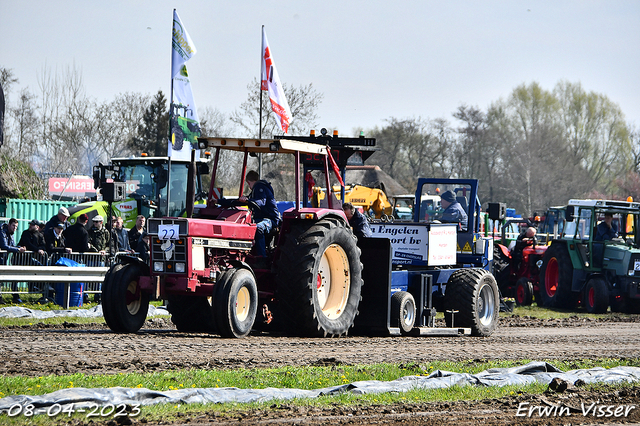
{"x": 93, "y": 349}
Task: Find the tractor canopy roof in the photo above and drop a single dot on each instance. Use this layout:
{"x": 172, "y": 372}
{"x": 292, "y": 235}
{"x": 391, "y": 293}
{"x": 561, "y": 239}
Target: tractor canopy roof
{"x": 612, "y": 205}
{"x": 273, "y": 146}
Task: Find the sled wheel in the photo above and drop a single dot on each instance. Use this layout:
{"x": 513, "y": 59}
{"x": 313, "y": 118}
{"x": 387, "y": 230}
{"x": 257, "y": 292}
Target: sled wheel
{"x": 319, "y": 278}
{"x": 236, "y": 304}
{"x": 191, "y": 314}
{"x": 128, "y": 304}
{"x": 556, "y": 274}
{"x": 474, "y": 294}
{"x": 524, "y": 292}
{"x": 596, "y": 296}
{"x": 403, "y": 311}
{"x": 107, "y": 301}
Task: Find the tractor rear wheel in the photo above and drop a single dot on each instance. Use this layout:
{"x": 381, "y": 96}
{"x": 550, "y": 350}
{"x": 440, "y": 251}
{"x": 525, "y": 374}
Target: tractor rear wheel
{"x": 319, "y": 278}
{"x": 403, "y": 311}
{"x": 191, "y": 314}
{"x": 126, "y": 303}
{"x": 596, "y": 296}
{"x": 524, "y": 292}
{"x": 556, "y": 274}
{"x": 473, "y": 293}
{"x": 236, "y": 304}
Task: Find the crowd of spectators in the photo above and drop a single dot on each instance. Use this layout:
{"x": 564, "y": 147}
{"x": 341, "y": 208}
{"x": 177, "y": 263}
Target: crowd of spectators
{"x": 57, "y": 236}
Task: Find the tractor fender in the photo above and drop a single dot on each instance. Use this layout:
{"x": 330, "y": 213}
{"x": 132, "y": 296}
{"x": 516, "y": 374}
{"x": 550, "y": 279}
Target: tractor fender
{"x": 238, "y": 264}
{"x": 127, "y": 260}
{"x": 504, "y": 250}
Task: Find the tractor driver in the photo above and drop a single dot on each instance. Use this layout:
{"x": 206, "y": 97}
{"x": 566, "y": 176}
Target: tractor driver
{"x": 453, "y": 211}
{"x": 526, "y": 238}
{"x": 268, "y": 217}
{"x": 606, "y": 230}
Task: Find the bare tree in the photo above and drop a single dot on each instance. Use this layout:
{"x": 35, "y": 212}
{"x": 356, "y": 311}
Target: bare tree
{"x": 303, "y": 102}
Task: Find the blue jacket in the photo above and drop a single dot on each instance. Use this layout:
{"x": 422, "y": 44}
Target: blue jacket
{"x": 603, "y": 232}
{"x": 6, "y": 240}
{"x": 360, "y": 225}
{"x": 262, "y": 195}
{"x": 455, "y": 214}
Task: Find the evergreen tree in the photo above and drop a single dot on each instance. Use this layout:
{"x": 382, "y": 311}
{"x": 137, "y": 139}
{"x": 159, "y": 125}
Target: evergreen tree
{"x": 153, "y": 134}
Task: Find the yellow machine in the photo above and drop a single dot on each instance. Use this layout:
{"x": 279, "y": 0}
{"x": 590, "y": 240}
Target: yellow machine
{"x": 373, "y": 201}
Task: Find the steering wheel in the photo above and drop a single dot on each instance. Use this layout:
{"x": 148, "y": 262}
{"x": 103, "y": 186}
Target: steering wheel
{"x": 253, "y": 207}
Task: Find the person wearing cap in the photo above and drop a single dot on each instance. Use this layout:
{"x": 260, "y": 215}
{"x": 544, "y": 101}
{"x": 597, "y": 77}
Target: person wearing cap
{"x": 8, "y": 244}
{"x": 453, "y": 211}
{"x": 76, "y": 236}
{"x": 61, "y": 217}
{"x": 32, "y": 239}
{"x": 54, "y": 239}
{"x": 100, "y": 237}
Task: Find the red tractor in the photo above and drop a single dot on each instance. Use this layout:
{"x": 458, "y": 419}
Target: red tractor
{"x": 204, "y": 265}
{"x": 517, "y": 269}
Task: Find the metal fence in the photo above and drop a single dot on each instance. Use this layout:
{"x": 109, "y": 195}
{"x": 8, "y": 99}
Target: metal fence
{"x": 34, "y": 273}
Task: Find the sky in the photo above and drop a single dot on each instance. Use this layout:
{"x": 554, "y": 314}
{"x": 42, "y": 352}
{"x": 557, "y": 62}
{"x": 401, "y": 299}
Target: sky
{"x": 371, "y": 60}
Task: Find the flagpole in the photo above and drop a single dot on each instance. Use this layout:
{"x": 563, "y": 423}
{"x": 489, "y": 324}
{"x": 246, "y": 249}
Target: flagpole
{"x": 260, "y": 90}
{"x": 170, "y": 131}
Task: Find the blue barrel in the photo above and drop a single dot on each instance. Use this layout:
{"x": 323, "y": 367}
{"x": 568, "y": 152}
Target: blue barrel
{"x": 75, "y": 294}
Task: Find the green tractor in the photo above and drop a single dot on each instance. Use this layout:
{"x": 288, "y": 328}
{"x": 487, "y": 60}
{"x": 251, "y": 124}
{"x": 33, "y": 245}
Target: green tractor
{"x": 582, "y": 266}
{"x": 144, "y": 191}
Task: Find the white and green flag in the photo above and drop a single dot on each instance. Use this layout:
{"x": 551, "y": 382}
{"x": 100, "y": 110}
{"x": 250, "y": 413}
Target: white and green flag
{"x": 184, "y": 117}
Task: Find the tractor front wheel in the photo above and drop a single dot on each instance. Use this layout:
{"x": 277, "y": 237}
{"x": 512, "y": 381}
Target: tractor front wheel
{"x": 473, "y": 293}
{"x": 125, "y": 302}
{"x": 236, "y": 304}
{"x": 596, "y": 296}
{"x": 524, "y": 292}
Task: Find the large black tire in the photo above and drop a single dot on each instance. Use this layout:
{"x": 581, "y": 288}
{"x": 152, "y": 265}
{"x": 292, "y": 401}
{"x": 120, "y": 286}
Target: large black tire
{"x": 319, "y": 279}
{"x": 236, "y": 304}
{"x": 191, "y": 314}
{"x": 126, "y": 304}
{"x": 596, "y": 296}
{"x": 556, "y": 274}
{"x": 108, "y": 307}
{"x": 524, "y": 292}
{"x": 474, "y": 294}
{"x": 403, "y": 311}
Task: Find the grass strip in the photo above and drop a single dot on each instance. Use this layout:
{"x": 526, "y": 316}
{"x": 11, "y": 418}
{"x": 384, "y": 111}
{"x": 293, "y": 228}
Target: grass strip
{"x": 287, "y": 377}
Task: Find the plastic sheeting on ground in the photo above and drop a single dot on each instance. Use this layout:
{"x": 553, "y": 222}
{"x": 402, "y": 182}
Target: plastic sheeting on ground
{"x": 20, "y": 312}
{"x": 83, "y": 398}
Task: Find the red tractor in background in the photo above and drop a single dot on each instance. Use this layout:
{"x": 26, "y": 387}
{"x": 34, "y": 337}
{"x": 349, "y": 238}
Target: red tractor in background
{"x": 517, "y": 269}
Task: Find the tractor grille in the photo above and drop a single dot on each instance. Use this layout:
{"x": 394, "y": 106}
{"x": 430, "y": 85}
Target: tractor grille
{"x": 169, "y": 256}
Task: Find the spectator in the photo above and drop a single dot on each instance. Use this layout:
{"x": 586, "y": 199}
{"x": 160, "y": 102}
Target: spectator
{"x": 606, "y": 229}
{"x": 32, "y": 239}
{"x": 268, "y": 215}
{"x": 76, "y": 236}
{"x": 143, "y": 246}
{"x": 121, "y": 235}
{"x": 8, "y": 244}
{"x": 55, "y": 240}
{"x": 453, "y": 211}
{"x": 100, "y": 237}
{"x": 357, "y": 221}
{"x": 136, "y": 232}
{"x": 61, "y": 217}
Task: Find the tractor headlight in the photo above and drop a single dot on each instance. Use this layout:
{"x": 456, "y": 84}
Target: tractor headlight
{"x": 179, "y": 267}
{"x": 158, "y": 266}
